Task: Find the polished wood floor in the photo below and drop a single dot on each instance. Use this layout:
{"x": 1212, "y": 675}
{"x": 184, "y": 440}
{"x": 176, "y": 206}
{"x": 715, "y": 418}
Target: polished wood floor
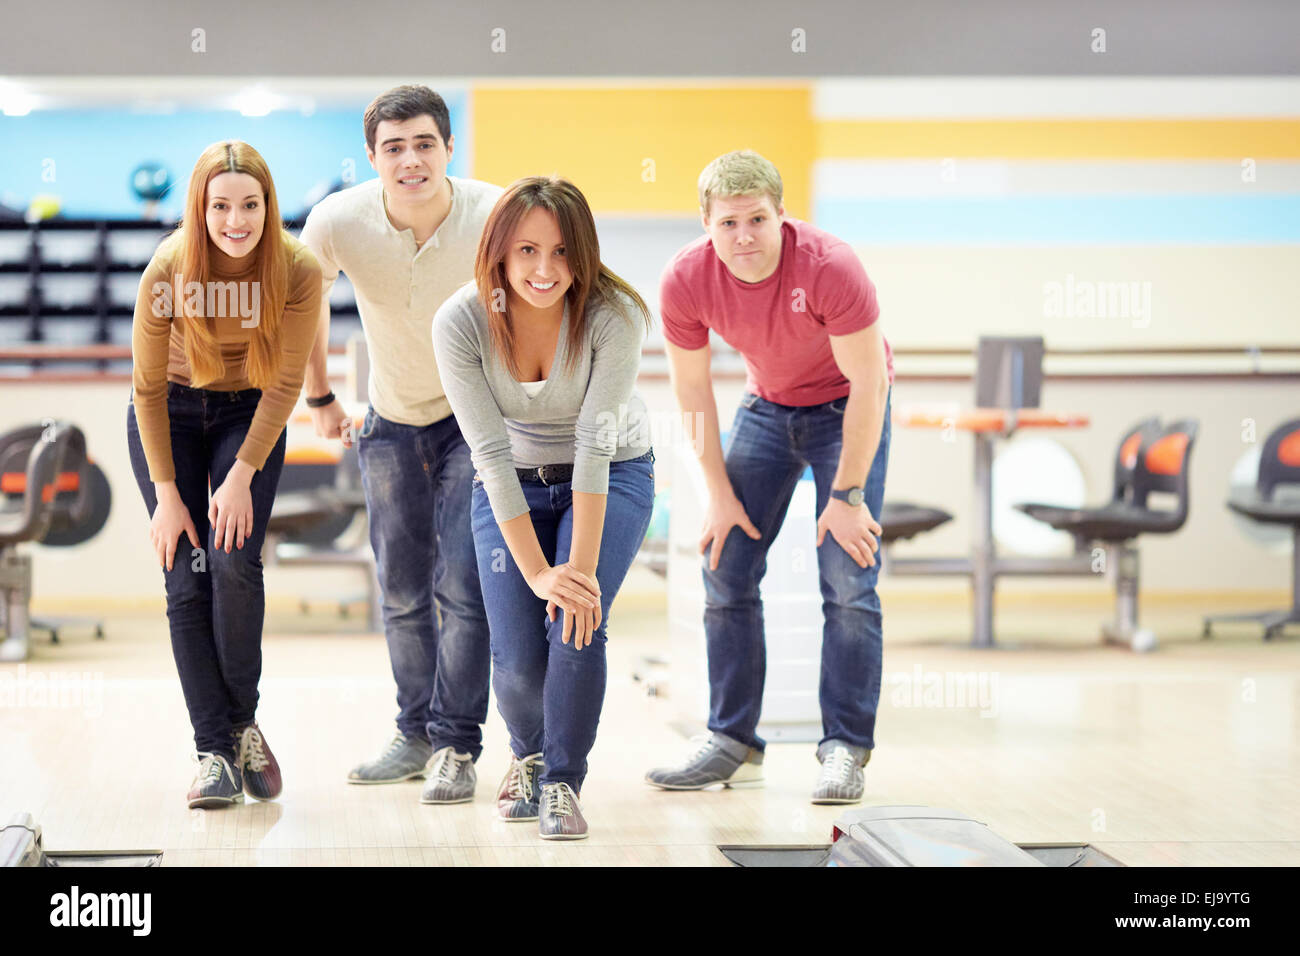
{"x": 1187, "y": 756}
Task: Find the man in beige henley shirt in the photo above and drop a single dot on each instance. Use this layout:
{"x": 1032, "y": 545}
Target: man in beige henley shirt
{"x": 407, "y": 241}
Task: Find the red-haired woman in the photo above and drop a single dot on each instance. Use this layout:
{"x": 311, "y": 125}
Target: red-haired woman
{"x": 539, "y": 359}
{"x": 224, "y": 322}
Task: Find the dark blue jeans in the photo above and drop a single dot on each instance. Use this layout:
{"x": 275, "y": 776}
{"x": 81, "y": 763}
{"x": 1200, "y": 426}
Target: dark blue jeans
{"x": 215, "y": 600}
{"x": 770, "y": 447}
{"x": 550, "y": 693}
{"x": 417, "y": 485}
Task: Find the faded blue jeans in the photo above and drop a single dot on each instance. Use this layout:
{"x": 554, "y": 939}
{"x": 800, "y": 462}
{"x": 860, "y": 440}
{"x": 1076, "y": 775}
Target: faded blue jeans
{"x": 770, "y": 447}
{"x": 417, "y": 486}
{"x": 550, "y": 693}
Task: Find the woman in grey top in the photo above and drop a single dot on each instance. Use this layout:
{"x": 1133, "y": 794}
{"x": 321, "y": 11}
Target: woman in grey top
{"x": 539, "y": 359}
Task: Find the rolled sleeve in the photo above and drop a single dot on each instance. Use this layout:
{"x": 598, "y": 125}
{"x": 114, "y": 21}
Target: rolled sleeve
{"x": 846, "y": 297}
{"x": 681, "y": 327}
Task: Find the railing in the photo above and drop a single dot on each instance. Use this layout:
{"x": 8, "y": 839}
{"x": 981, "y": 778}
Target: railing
{"x": 27, "y": 364}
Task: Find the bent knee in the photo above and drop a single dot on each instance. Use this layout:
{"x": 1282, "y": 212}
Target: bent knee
{"x": 854, "y": 592}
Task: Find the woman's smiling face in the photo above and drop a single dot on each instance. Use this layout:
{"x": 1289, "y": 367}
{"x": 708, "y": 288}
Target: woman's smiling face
{"x": 235, "y": 212}
{"x": 536, "y": 267}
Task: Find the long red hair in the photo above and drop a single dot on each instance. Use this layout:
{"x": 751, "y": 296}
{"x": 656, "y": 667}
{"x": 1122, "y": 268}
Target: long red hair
{"x": 202, "y": 350}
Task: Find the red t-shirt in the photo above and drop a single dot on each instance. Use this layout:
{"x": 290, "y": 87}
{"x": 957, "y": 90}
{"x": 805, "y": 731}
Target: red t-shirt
{"x": 782, "y": 325}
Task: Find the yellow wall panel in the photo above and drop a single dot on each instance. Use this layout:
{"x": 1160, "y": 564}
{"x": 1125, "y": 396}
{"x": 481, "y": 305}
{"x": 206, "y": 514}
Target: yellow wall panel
{"x": 601, "y": 139}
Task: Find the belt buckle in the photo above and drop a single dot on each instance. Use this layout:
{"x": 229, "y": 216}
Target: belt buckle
{"x": 541, "y": 475}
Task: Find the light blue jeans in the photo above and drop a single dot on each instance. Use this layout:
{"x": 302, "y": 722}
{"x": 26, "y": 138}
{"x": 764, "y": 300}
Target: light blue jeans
{"x": 550, "y": 693}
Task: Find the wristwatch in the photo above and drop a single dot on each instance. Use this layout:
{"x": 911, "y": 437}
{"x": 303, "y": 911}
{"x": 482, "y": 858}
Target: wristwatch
{"x": 853, "y": 496}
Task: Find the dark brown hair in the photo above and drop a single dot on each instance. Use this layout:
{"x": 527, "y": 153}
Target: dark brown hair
{"x": 593, "y": 284}
{"x": 404, "y": 103}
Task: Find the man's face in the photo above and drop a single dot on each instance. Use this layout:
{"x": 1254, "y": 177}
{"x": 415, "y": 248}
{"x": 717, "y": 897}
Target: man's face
{"x": 411, "y": 158}
{"x": 746, "y": 234}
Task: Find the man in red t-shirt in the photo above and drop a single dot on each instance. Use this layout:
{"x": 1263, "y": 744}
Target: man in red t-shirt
{"x": 798, "y": 306}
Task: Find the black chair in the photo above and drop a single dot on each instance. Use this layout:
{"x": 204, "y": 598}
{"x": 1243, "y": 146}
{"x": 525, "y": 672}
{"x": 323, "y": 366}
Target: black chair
{"x": 317, "y": 502}
{"x": 1163, "y": 457}
{"x": 79, "y": 510}
{"x": 901, "y": 520}
{"x": 42, "y": 451}
{"x": 1126, "y": 459}
{"x": 1279, "y": 464}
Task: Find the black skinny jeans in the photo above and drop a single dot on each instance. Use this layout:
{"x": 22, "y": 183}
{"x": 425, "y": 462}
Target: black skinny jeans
{"x": 215, "y": 600}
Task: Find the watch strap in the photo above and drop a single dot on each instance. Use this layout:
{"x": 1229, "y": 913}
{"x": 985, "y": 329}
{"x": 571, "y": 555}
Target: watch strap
{"x": 849, "y": 494}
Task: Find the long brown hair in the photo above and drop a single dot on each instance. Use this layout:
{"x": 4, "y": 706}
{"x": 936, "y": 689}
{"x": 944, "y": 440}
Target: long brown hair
{"x": 593, "y": 284}
{"x": 202, "y": 350}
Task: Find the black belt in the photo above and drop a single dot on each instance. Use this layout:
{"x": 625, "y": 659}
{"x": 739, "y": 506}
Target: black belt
{"x": 546, "y": 474}
{"x": 557, "y": 474}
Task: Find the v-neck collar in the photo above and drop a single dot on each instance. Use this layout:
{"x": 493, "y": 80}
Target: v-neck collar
{"x": 559, "y": 346}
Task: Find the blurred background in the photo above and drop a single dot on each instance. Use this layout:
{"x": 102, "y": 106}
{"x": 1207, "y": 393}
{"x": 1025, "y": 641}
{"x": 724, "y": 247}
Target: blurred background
{"x": 1083, "y": 215}
{"x": 1146, "y": 228}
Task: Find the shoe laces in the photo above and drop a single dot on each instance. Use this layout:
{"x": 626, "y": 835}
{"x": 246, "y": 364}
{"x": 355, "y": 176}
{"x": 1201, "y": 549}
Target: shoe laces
{"x": 837, "y": 765}
{"x": 703, "y": 743}
{"x": 394, "y": 745}
{"x": 519, "y": 785}
{"x": 446, "y": 768}
{"x": 556, "y": 797}
{"x": 252, "y": 749}
{"x": 210, "y": 769}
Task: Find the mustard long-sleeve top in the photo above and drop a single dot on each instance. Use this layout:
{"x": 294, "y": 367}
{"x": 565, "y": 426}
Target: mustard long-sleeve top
{"x": 158, "y": 350}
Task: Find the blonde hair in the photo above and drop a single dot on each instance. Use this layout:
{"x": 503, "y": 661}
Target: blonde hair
{"x": 739, "y": 173}
{"x": 593, "y": 283}
{"x": 202, "y": 351}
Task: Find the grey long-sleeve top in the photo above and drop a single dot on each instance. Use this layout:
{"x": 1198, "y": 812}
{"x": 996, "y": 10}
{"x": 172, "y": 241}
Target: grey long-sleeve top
{"x": 586, "y": 419}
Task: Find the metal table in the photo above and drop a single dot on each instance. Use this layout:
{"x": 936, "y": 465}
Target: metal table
{"x": 987, "y": 425}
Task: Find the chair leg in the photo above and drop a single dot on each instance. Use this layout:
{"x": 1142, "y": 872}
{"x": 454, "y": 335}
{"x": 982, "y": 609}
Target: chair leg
{"x": 56, "y": 624}
{"x": 16, "y": 592}
{"x": 1260, "y": 617}
{"x": 1123, "y": 557}
{"x": 1273, "y": 621}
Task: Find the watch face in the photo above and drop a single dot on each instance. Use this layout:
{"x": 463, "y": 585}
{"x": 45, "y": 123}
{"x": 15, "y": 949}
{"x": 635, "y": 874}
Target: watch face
{"x": 855, "y": 496}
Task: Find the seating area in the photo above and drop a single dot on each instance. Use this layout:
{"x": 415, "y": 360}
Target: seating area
{"x": 1279, "y": 472}
{"x": 53, "y": 494}
{"x": 1150, "y": 496}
